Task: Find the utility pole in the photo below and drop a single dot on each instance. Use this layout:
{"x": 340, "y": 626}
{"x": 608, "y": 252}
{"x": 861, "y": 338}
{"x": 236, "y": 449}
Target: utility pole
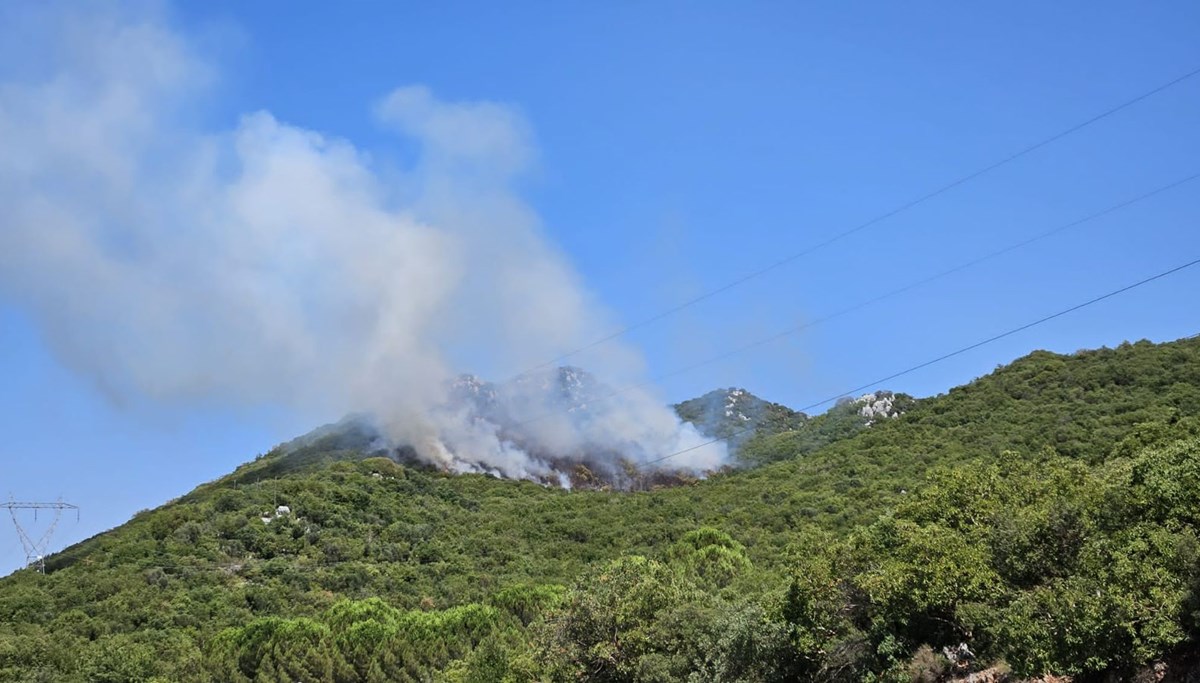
{"x": 35, "y": 550}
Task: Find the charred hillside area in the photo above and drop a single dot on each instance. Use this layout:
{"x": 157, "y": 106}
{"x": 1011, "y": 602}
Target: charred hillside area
{"x": 734, "y": 418}
{"x": 1043, "y": 520}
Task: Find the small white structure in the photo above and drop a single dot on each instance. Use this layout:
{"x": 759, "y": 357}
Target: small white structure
{"x": 281, "y": 511}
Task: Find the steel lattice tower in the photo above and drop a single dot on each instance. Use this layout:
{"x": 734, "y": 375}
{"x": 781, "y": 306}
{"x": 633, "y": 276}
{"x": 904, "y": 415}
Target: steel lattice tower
{"x": 35, "y": 550}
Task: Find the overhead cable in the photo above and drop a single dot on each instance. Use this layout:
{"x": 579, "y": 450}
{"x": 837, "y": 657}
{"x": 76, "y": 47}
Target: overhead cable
{"x": 962, "y": 180}
{"x": 882, "y": 297}
{"x": 952, "y": 354}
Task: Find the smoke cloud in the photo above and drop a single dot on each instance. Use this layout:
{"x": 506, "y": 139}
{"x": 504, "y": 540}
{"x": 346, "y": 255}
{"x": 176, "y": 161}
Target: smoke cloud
{"x": 269, "y": 264}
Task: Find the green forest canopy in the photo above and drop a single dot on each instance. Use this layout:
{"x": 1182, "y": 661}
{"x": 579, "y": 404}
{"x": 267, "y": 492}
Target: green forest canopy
{"x": 1046, "y": 515}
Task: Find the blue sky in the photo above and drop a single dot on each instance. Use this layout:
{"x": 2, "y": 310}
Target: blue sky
{"x": 678, "y": 146}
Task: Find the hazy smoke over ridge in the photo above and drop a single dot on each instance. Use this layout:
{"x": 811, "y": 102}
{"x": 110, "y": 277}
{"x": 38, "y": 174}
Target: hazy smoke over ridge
{"x": 270, "y": 264}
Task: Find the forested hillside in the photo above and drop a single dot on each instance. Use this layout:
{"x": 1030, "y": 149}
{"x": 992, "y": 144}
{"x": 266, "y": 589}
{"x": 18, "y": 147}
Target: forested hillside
{"x": 739, "y": 417}
{"x": 1044, "y": 516}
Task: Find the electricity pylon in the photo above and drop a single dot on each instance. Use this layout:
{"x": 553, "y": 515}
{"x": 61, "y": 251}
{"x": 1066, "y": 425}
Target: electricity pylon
{"x": 35, "y": 550}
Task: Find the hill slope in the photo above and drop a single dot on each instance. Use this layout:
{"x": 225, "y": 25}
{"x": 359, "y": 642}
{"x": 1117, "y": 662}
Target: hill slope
{"x": 595, "y": 446}
{"x": 987, "y": 515}
{"x": 739, "y": 417}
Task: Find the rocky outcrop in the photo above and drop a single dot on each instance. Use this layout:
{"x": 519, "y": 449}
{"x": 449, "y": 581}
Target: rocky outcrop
{"x": 877, "y": 406}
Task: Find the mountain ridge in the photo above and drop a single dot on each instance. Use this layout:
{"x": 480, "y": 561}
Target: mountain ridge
{"x": 572, "y": 391}
{"x": 833, "y": 547}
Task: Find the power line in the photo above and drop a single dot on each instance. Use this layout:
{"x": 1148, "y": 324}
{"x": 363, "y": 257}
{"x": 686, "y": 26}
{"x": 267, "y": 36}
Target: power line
{"x": 882, "y": 297}
{"x": 952, "y": 354}
{"x": 862, "y": 226}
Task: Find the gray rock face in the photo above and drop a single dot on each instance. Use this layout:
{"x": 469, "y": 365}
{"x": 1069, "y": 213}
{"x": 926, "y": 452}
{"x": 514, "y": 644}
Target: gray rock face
{"x": 735, "y": 415}
{"x": 877, "y": 406}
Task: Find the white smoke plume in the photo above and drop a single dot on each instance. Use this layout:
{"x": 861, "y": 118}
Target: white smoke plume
{"x": 269, "y": 264}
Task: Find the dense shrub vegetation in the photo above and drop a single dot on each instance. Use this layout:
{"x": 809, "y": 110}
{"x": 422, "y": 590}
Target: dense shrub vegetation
{"x": 1045, "y": 515}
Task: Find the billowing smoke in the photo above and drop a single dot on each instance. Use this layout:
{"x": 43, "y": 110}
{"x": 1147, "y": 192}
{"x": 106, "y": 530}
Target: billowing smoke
{"x": 269, "y": 264}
